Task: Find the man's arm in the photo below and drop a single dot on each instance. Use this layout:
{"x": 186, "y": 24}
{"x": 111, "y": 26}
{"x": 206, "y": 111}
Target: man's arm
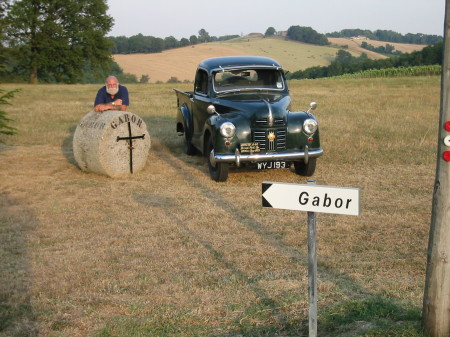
{"x": 116, "y": 105}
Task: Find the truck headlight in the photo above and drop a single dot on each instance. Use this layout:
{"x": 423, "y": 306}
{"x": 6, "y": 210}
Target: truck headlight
{"x": 227, "y": 129}
{"x": 310, "y": 126}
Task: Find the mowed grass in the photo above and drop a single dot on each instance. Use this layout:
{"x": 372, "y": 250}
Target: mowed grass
{"x": 169, "y": 252}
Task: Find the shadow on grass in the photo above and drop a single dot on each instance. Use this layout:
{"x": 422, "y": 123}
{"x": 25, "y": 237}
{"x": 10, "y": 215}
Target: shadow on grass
{"x": 374, "y": 316}
{"x": 370, "y": 316}
{"x": 67, "y": 146}
{"x": 157, "y": 128}
{"x": 5, "y": 148}
{"x": 17, "y": 316}
{"x": 363, "y": 314}
{"x": 264, "y": 306}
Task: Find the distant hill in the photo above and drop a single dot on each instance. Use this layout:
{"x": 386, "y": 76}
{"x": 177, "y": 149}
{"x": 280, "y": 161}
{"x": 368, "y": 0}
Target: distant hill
{"x": 354, "y": 45}
{"x": 182, "y": 62}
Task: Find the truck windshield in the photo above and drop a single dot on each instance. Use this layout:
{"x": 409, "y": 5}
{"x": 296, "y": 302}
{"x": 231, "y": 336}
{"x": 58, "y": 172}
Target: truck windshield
{"x": 231, "y": 80}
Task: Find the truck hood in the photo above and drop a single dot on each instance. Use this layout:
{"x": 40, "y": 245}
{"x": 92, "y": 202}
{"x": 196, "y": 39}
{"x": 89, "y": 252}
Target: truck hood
{"x": 261, "y": 110}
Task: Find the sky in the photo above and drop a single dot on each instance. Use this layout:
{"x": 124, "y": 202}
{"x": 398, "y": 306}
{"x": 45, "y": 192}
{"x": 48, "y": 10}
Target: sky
{"x": 183, "y": 18}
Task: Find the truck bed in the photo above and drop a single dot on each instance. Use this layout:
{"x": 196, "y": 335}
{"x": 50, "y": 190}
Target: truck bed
{"x": 183, "y": 96}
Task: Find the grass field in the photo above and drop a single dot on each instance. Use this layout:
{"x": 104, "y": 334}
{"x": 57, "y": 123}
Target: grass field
{"x": 182, "y": 62}
{"x": 169, "y": 252}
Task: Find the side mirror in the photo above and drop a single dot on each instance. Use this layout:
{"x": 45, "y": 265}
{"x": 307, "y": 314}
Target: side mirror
{"x": 312, "y": 106}
{"x": 211, "y": 109}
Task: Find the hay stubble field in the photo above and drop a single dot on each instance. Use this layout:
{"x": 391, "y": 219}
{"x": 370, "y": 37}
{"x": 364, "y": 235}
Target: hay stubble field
{"x": 169, "y": 252}
{"x": 181, "y": 63}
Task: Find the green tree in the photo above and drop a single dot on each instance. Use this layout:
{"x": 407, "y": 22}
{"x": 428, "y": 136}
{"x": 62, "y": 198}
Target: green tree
{"x": 307, "y": 35}
{"x": 343, "y": 56}
{"x": 170, "y": 42}
{"x": 193, "y": 39}
{"x": 173, "y": 80}
{"x": 144, "y": 79}
{"x": 184, "y": 42}
{"x": 203, "y": 36}
{"x": 270, "y": 31}
{"x": 4, "y": 4}
{"x": 120, "y": 45}
{"x": 137, "y": 43}
{"x": 53, "y": 39}
{"x": 389, "y": 49}
{"x": 5, "y": 129}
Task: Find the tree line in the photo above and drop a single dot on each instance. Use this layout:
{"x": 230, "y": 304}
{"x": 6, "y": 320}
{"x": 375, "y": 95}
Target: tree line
{"x": 309, "y": 35}
{"x": 389, "y": 36}
{"x": 388, "y": 49}
{"x": 345, "y": 63}
{"x": 150, "y": 44}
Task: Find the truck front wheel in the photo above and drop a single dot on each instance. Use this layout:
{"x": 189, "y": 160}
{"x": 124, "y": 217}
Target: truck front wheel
{"x": 217, "y": 171}
{"x": 306, "y": 170}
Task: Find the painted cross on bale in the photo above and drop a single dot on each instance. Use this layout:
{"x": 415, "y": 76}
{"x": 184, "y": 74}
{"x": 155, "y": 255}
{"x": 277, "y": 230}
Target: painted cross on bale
{"x": 130, "y": 139}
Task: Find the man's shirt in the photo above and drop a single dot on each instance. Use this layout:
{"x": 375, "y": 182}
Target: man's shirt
{"x": 103, "y": 97}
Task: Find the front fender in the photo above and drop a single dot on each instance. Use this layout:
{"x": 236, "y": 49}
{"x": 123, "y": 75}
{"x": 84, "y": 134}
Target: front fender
{"x": 243, "y": 132}
{"x": 210, "y": 129}
{"x": 296, "y": 137}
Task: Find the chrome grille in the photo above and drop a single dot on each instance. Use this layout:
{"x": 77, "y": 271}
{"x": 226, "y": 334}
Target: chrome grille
{"x": 265, "y": 122}
{"x": 262, "y": 138}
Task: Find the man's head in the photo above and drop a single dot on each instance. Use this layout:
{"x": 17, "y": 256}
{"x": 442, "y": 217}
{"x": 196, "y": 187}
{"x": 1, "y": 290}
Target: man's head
{"x": 112, "y": 85}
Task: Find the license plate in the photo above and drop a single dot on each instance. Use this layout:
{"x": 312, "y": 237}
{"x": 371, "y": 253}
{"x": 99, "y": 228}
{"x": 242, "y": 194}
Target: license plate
{"x": 267, "y": 165}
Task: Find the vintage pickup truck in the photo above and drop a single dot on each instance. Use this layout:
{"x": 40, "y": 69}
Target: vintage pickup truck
{"x": 239, "y": 114}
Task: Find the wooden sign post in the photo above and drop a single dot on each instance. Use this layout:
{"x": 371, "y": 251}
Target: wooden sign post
{"x": 436, "y": 300}
{"x": 311, "y": 198}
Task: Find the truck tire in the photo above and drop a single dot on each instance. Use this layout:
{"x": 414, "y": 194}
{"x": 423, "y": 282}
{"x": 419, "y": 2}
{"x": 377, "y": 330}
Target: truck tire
{"x": 217, "y": 171}
{"x": 306, "y": 170}
{"x": 188, "y": 148}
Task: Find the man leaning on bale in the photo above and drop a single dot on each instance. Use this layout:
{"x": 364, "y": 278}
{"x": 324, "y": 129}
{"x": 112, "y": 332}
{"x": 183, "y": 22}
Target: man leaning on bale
{"x": 112, "y": 96}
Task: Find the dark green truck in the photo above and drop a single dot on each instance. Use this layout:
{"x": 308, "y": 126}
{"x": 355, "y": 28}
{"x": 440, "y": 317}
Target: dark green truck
{"x": 239, "y": 114}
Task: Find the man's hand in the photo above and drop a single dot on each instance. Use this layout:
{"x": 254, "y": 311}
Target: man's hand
{"x": 116, "y": 105}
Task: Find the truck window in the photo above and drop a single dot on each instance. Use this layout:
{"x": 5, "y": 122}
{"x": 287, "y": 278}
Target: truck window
{"x": 270, "y": 79}
{"x": 201, "y": 82}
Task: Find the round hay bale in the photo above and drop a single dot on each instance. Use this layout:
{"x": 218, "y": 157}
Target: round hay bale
{"x": 112, "y": 143}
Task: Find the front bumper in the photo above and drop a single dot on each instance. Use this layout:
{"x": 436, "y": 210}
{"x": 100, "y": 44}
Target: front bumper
{"x": 238, "y": 157}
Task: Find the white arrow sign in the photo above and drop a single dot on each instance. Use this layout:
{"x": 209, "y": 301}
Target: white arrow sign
{"x": 311, "y": 198}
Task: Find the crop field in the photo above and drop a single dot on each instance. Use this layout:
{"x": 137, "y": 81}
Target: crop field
{"x": 354, "y": 46}
{"x": 169, "y": 252}
{"x": 182, "y": 62}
